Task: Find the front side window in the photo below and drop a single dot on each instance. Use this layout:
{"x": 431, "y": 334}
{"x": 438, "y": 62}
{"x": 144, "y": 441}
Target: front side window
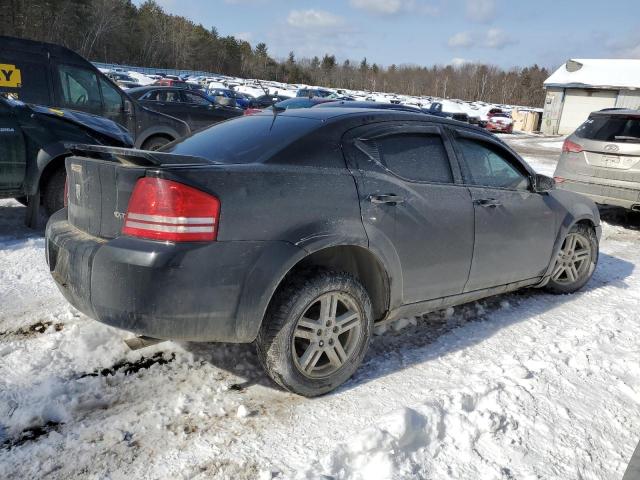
{"x": 79, "y": 88}
{"x": 415, "y": 156}
{"x": 112, "y": 99}
{"x": 489, "y": 167}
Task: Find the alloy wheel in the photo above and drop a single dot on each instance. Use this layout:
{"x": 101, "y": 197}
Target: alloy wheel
{"x": 326, "y": 335}
{"x": 573, "y": 260}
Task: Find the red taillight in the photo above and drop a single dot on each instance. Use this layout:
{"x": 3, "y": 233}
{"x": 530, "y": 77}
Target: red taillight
{"x": 559, "y": 179}
{"x": 65, "y": 200}
{"x": 171, "y": 211}
{"x": 571, "y": 147}
{"x": 252, "y": 111}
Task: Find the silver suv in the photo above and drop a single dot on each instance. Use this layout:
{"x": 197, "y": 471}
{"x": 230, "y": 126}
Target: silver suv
{"x": 601, "y": 159}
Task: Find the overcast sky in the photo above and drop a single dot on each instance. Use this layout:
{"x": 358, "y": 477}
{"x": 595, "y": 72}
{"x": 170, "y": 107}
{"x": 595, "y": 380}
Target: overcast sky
{"x": 425, "y": 32}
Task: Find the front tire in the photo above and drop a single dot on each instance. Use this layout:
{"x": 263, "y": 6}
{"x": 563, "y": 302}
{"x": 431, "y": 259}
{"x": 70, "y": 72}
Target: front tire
{"x": 155, "y": 143}
{"x": 53, "y": 191}
{"x": 576, "y": 261}
{"x": 316, "y": 332}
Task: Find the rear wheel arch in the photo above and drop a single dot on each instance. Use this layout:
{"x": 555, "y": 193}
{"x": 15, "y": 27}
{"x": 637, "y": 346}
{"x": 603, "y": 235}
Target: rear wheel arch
{"x": 357, "y": 261}
{"x": 152, "y": 139}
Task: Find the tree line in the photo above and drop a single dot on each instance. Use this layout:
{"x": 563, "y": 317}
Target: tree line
{"x": 117, "y": 31}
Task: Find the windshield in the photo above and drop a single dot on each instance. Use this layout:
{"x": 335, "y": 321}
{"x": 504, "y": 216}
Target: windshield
{"x": 249, "y": 139}
{"x": 613, "y": 128}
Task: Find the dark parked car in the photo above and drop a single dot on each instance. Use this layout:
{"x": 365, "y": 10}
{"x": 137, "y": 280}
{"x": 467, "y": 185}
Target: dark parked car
{"x": 376, "y": 105}
{"x": 327, "y": 221}
{"x": 195, "y": 108}
{"x": 121, "y": 77}
{"x": 437, "y": 109}
{"x": 32, "y": 150}
{"x": 316, "y": 92}
{"x": 55, "y": 76}
{"x": 243, "y": 100}
{"x": 265, "y": 101}
{"x": 292, "y": 104}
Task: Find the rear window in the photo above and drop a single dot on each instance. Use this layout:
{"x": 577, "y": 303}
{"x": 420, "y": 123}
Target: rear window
{"x": 614, "y": 128}
{"x": 250, "y": 139}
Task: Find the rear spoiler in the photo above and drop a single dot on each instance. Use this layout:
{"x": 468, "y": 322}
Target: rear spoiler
{"x": 135, "y": 157}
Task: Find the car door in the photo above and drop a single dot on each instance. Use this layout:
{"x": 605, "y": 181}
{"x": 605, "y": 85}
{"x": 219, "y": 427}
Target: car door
{"x": 413, "y": 203}
{"x": 202, "y": 112}
{"x": 514, "y": 226}
{"x": 115, "y": 106}
{"x": 12, "y": 152}
{"x": 77, "y": 88}
{"x": 167, "y": 101}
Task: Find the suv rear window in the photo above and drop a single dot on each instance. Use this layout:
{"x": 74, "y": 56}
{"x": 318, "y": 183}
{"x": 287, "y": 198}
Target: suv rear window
{"x": 250, "y": 139}
{"x": 611, "y": 128}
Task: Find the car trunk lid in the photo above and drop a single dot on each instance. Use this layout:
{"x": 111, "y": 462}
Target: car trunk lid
{"x": 100, "y": 181}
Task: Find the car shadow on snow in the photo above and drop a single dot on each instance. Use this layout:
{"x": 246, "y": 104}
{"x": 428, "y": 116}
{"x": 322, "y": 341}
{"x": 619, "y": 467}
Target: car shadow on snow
{"x": 396, "y": 350}
{"x": 12, "y": 224}
{"x": 620, "y": 217}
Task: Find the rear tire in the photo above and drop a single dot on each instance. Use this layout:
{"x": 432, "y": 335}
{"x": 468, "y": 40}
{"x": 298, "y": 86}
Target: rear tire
{"x": 316, "y": 332}
{"x": 155, "y": 143}
{"x": 53, "y": 192}
{"x": 576, "y": 261}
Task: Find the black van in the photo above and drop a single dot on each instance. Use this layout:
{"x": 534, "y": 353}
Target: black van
{"x": 54, "y": 76}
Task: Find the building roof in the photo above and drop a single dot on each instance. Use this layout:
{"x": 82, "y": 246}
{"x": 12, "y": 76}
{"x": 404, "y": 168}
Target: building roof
{"x": 596, "y": 73}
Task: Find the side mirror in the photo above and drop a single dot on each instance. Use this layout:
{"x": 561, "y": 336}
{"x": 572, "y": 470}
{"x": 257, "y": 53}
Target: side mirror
{"x": 542, "y": 183}
{"x": 127, "y": 107}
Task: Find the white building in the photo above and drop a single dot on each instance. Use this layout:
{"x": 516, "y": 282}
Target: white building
{"x": 580, "y": 87}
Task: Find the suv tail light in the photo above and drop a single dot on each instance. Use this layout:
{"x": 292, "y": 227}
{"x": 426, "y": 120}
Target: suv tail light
{"x": 252, "y": 111}
{"x": 571, "y": 147}
{"x": 166, "y": 210}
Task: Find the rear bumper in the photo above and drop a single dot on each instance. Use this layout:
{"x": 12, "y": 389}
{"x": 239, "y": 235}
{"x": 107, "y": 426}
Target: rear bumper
{"x": 604, "y": 194}
{"x": 196, "y": 292}
{"x": 500, "y": 128}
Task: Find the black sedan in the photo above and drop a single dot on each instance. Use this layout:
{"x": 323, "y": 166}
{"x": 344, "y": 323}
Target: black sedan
{"x": 193, "y": 107}
{"x": 265, "y": 101}
{"x": 328, "y": 220}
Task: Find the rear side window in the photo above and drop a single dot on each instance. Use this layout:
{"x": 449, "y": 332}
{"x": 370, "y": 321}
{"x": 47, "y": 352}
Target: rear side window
{"x": 417, "y": 157}
{"x": 196, "y": 99}
{"x": 488, "y": 166}
{"x": 614, "y": 128}
{"x": 249, "y": 139}
{"x": 79, "y": 88}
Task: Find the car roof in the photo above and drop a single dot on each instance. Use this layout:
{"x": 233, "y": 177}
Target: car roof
{"x": 145, "y": 88}
{"x": 370, "y": 105}
{"x": 328, "y": 114}
{"x": 617, "y": 111}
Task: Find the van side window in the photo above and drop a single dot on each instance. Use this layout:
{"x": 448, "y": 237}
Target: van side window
{"x": 79, "y": 89}
{"x": 112, "y": 99}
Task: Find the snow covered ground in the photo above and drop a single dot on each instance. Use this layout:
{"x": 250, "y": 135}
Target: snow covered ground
{"x": 521, "y": 386}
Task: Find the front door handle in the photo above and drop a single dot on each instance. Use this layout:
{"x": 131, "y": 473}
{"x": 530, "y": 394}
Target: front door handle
{"x": 487, "y": 202}
{"x": 389, "y": 198}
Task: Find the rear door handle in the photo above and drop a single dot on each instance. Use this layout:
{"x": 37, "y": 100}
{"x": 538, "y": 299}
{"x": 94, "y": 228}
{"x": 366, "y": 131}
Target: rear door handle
{"x": 389, "y": 198}
{"x": 487, "y": 202}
